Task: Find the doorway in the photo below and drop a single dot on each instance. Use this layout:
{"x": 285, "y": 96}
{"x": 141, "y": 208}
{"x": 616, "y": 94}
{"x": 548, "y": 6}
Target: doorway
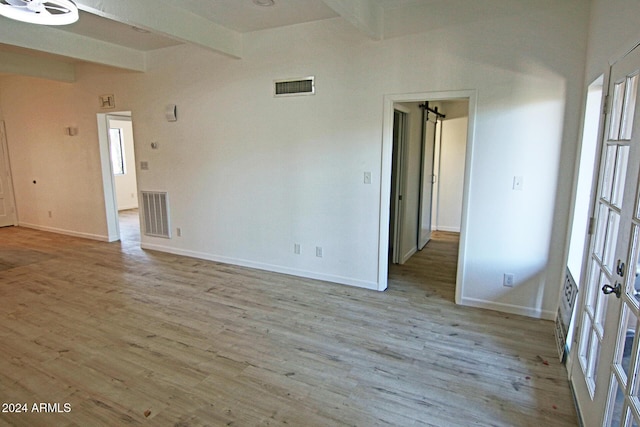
{"x": 119, "y": 175}
{"x": 410, "y": 185}
{"x": 398, "y": 214}
{"x": 8, "y": 215}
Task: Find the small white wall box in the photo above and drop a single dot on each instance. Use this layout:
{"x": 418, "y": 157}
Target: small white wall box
{"x": 171, "y": 113}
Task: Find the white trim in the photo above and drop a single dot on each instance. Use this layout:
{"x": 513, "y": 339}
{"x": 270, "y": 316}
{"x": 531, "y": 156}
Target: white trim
{"x": 263, "y": 266}
{"x": 7, "y": 163}
{"x": 128, "y": 207}
{"x": 108, "y": 181}
{"x": 445, "y": 228}
{"x": 65, "y": 232}
{"x": 385, "y": 178}
{"x": 509, "y": 308}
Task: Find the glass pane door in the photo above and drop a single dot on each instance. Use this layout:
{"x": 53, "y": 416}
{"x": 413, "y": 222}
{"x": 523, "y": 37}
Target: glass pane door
{"x": 605, "y": 368}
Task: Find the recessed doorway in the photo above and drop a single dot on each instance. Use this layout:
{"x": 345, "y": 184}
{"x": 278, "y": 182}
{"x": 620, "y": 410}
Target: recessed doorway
{"x": 119, "y": 176}
{"x": 425, "y": 175}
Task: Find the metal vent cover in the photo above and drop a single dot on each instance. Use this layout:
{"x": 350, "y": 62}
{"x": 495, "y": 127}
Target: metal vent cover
{"x": 293, "y": 87}
{"x": 155, "y": 210}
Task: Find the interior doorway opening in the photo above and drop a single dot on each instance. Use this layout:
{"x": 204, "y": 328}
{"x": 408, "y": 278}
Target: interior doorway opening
{"x": 117, "y": 150}
{"x": 425, "y": 174}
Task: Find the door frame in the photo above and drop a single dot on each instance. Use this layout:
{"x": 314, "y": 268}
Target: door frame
{"x": 574, "y": 368}
{"x": 4, "y": 148}
{"x": 399, "y": 210}
{"x": 433, "y": 148}
{"x": 108, "y": 179}
{"x": 385, "y": 177}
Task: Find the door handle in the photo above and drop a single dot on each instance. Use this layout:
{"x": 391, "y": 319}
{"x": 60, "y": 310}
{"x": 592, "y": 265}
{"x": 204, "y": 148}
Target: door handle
{"x": 620, "y": 268}
{"x": 608, "y": 289}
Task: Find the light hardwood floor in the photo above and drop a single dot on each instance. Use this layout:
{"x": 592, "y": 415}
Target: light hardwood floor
{"x": 130, "y": 337}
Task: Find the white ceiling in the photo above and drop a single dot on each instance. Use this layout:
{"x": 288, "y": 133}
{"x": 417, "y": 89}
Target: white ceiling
{"x": 245, "y": 16}
{"x": 242, "y": 16}
{"x": 109, "y": 32}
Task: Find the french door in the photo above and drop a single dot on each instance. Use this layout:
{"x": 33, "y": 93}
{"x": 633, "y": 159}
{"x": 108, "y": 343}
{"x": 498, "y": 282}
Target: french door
{"x": 605, "y": 363}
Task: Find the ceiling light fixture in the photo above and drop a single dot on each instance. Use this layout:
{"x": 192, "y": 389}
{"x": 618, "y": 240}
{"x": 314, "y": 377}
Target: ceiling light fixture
{"x": 43, "y": 12}
{"x": 265, "y": 3}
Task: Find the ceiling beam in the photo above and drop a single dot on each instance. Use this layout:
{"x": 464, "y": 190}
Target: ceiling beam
{"x": 366, "y": 15}
{"x": 26, "y": 65}
{"x": 168, "y": 20}
{"x": 58, "y": 42}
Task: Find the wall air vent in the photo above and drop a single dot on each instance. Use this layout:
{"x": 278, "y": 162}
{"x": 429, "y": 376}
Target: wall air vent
{"x": 293, "y": 87}
{"x": 155, "y": 213}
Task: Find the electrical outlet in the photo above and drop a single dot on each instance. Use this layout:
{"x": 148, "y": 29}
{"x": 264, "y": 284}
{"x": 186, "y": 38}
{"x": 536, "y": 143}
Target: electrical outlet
{"x": 367, "y": 177}
{"x": 508, "y": 280}
{"x": 296, "y": 248}
{"x": 319, "y": 251}
{"x": 50, "y": 214}
{"x": 179, "y": 232}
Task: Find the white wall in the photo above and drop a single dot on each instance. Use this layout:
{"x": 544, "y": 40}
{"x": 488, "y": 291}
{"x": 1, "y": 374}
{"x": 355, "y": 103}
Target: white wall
{"x": 57, "y": 179}
{"x": 451, "y": 165}
{"x": 249, "y": 175}
{"x": 613, "y": 31}
{"x": 126, "y": 185}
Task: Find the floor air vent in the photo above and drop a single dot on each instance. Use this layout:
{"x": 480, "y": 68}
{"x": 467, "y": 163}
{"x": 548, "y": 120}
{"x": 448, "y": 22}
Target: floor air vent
{"x": 291, "y": 87}
{"x": 156, "y": 214}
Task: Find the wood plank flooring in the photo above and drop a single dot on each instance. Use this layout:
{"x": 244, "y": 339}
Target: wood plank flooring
{"x": 129, "y": 337}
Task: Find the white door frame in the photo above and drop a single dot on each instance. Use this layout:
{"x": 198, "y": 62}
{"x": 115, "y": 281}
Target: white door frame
{"x": 576, "y": 373}
{"x": 108, "y": 179}
{"x": 385, "y": 177}
{"x": 401, "y": 185}
{"x": 4, "y": 148}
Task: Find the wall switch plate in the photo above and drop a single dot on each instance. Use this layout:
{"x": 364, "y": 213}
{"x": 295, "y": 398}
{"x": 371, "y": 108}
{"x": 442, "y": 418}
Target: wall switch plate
{"x": 518, "y": 183}
{"x": 296, "y": 248}
{"x": 144, "y": 166}
{"x": 179, "y": 232}
{"x": 318, "y": 251}
{"x": 367, "y": 177}
{"x": 508, "y": 280}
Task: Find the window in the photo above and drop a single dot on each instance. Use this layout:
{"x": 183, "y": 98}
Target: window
{"x": 117, "y": 151}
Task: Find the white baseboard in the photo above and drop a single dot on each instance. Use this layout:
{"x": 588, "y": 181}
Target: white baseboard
{"x": 65, "y": 232}
{"x": 508, "y": 308}
{"x": 128, "y": 207}
{"x": 264, "y": 266}
{"x": 446, "y": 228}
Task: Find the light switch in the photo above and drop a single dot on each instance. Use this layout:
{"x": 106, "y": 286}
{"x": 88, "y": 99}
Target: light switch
{"x": 518, "y": 183}
{"x": 367, "y": 177}
{"x": 144, "y": 166}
